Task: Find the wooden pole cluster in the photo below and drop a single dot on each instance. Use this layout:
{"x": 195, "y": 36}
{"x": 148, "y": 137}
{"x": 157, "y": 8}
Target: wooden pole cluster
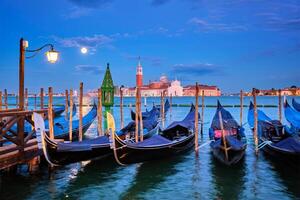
{"x": 223, "y": 136}
{"x": 42, "y": 98}
{"x": 67, "y": 104}
{"x": 202, "y": 112}
{"x": 255, "y": 121}
{"x": 26, "y": 98}
{"x": 80, "y": 110}
{"x": 99, "y": 112}
{"x": 196, "y": 117}
{"x": 279, "y": 105}
{"x": 5, "y": 99}
{"x": 71, "y": 116}
{"x": 241, "y": 108}
{"x": 121, "y": 107}
{"x": 50, "y": 112}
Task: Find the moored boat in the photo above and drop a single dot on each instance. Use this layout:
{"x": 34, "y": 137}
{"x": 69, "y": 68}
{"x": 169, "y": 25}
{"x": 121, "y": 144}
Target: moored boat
{"x": 228, "y": 139}
{"x": 276, "y": 139}
{"x": 65, "y": 152}
{"x": 175, "y": 139}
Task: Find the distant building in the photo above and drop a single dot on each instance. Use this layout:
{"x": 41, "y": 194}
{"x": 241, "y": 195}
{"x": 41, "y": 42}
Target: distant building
{"x": 190, "y": 90}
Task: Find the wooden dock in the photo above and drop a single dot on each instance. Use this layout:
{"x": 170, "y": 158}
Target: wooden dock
{"x": 16, "y": 147}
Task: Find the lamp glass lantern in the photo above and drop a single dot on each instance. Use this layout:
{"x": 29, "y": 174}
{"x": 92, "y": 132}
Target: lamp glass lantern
{"x": 52, "y": 56}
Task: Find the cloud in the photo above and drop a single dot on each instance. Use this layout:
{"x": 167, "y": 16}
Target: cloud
{"x": 205, "y": 26}
{"x": 154, "y": 61}
{"x": 198, "y": 69}
{"x": 92, "y": 69}
{"x": 91, "y": 3}
{"x": 92, "y": 42}
{"x": 159, "y": 2}
{"x": 85, "y": 7}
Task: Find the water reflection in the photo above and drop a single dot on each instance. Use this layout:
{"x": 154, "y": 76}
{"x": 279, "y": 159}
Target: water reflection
{"x": 149, "y": 176}
{"x": 228, "y": 181}
{"x": 288, "y": 174}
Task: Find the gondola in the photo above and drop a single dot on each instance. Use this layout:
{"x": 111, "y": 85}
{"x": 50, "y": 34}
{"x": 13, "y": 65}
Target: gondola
{"x": 62, "y": 153}
{"x": 59, "y": 122}
{"x": 235, "y": 139}
{"x": 58, "y": 110}
{"x": 275, "y": 139}
{"x": 175, "y": 139}
{"x": 292, "y": 116}
{"x": 155, "y": 108}
{"x": 296, "y": 105}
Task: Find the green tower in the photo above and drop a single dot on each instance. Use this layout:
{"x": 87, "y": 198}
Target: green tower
{"x": 107, "y": 90}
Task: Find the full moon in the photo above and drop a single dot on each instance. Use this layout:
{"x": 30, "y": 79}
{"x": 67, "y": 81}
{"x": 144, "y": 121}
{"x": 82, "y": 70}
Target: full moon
{"x": 83, "y": 50}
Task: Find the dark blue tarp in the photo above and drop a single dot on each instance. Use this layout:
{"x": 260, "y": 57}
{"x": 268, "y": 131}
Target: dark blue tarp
{"x": 154, "y": 140}
{"x": 261, "y": 116}
{"x": 85, "y": 145}
{"x": 186, "y": 124}
{"x": 291, "y": 144}
{"x": 228, "y": 121}
{"x": 296, "y": 105}
{"x": 291, "y": 115}
{"x": 232, "y": 142}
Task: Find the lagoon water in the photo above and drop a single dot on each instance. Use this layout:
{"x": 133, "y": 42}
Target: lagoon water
{"x": 183, "y": 177}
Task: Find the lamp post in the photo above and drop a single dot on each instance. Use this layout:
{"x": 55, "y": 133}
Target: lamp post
{"x": 52, "y": 57}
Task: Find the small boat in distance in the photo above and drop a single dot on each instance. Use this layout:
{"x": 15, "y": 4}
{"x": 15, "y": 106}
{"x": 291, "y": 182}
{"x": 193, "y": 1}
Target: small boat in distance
{"x": 177, "y": 138}
{"x": 230, "y": 147}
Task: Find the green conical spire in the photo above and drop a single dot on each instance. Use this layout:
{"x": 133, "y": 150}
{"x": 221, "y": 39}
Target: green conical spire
{"x": 107, "y": 89}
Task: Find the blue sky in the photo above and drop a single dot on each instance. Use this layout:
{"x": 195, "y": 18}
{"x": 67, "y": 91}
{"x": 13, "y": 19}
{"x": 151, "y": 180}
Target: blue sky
{"x": 234, "y": 44}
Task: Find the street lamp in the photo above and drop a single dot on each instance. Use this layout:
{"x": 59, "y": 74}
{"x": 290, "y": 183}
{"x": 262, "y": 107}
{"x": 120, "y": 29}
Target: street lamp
{"x": 52, "y": 57}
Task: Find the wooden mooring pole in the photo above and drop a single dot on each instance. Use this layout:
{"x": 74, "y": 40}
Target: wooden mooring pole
{"x": 254, "y": 91}
{"x": 42, "y": 98}
{"x": 34, "y": 101}
{"x": 196, "y": 118}
{"x": 241, "y": 108}
{"x": 66, "y": 104}
{"x": 26, "y": 98}
{"x": 0, "y": 100}
{"x": 140, "y": 116}
{"x": 71, "y": 116}
{"x": 202, "y": 112}
{"x": 171, "y": 101}
{"x": 121, "y": 107}
{"x": 50, "y": 112}
{"x": 80, "y": 110}
{"x": 136, "y": 117}
{"x": 279, "y": 105}
{"x": 223, "y": 136}
{"x": 5, "y": 99}
{"x": 99, "y": 112}
{"x": 17, "y": 103}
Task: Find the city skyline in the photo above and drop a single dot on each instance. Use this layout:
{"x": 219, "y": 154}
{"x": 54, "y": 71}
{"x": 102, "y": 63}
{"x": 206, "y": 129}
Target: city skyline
{"x": 231, "y": 44}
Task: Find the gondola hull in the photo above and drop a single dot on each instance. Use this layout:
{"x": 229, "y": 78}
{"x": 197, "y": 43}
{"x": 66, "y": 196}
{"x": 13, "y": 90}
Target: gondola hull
{"x": 234, "y": 156}
{"x": 127, "y": 154}
{"x": 280, "y": 155}
{"x": 66, "y": 157}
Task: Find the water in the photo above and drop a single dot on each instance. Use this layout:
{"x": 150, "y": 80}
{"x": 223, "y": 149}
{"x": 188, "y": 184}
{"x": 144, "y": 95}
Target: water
{"x": 183, "y": 177}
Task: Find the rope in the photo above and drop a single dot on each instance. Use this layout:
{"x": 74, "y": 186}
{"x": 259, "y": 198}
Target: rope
{"x": 204, "y": 144}
{"x": 263, "y": 144}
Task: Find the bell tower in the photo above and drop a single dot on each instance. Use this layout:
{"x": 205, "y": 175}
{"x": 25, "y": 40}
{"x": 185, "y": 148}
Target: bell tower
{"x": 139, "y": 74}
